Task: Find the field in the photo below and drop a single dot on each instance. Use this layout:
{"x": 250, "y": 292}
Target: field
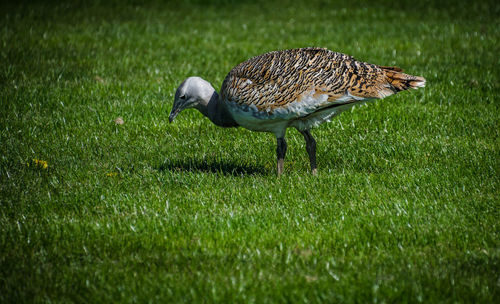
{"x": 405, "y": 207}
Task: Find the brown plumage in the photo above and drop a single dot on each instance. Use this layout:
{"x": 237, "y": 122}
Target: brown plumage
{"x": 298, "y": 88}
{"x": 281, "y": 77}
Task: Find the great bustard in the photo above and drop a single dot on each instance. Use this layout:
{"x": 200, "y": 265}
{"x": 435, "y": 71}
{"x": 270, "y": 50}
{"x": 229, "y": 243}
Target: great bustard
{"x": 298, "y": 88}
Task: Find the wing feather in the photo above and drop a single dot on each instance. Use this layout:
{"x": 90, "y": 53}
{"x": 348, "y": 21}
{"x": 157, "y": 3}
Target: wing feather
{"x": 307, "y": 80}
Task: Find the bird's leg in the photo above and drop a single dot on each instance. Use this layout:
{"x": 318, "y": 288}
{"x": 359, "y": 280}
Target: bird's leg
{"x": 311, "y": 150}
{"x": 281, "y": 151}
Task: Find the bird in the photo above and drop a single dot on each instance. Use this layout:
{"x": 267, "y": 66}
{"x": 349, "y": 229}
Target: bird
{"x": 299, "y": 88}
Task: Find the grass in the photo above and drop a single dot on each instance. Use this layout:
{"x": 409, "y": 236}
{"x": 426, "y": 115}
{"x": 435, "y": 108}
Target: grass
{"x": 405, "y": 207}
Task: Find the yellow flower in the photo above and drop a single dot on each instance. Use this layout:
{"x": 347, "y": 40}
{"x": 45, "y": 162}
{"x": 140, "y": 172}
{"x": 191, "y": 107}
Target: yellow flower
{"x": 111, "y": 174}
{"x": 40, "y": 163}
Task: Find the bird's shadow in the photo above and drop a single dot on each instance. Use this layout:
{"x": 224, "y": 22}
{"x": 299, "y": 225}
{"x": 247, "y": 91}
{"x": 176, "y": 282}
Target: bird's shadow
{"x": 211, "y": 166}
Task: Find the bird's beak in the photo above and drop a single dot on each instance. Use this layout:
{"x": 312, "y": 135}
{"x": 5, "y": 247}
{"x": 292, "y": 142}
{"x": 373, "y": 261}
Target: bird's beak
{"x": 173, "y": 114}
{"x": 176, "y": 109}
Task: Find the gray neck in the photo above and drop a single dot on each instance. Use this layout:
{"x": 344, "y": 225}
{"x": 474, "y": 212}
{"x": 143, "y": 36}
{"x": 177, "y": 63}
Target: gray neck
{"x": 216, "y": 111}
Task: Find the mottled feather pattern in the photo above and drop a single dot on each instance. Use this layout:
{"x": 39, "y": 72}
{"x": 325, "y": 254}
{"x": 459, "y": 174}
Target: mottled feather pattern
{"x": 298, "y": 88}
{"x": 400, "y": 81}
{"x": 273, "y": 80}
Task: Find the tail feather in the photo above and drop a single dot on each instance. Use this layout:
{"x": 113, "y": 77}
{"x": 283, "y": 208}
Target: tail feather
{"x": 391, "y": 68}
{"x": 400, "y": 81}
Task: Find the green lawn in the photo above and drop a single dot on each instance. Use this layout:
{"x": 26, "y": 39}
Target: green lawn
{"x": 405, "y": 207}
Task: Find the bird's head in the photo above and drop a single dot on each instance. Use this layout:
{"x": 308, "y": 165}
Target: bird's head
{"x": 194, "y": 92}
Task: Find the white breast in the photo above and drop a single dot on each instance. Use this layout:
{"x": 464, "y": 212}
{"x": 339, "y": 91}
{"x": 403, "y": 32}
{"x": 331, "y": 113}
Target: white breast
{"x": 251, "y": 118}
{"x": 304, "y": 113}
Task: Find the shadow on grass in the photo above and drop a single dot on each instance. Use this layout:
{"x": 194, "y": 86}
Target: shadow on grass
{"x": 225, "y": 168}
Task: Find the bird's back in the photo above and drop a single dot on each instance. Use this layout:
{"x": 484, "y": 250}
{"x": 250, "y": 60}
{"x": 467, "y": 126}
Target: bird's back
{"x": 297, "y": 83}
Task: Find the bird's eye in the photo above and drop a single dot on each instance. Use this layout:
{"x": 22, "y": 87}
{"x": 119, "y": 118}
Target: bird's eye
{"x": 183, "y": 97}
